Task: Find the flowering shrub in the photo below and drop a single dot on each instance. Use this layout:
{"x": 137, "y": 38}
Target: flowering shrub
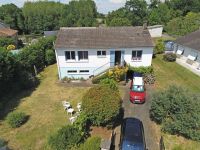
{"x": 11, "y": 47}
{"x": 117, "y": 73}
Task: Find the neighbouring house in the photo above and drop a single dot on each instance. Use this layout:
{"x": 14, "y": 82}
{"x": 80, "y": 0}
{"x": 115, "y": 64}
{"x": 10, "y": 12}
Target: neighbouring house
{"x": 82, "y": 52}
{"x": 188, "y": 49}
{"x": 155, "y": 31}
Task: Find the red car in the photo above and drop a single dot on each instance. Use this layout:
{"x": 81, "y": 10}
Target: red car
{"x": 137, "y": 89}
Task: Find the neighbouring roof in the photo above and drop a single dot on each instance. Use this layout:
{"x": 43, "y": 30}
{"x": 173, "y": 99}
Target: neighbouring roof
{"x": 7, "y": 32}
{"x": 103, "y": 37}
{"x": 190, "y": 40}
{"x": 50, "y": 33}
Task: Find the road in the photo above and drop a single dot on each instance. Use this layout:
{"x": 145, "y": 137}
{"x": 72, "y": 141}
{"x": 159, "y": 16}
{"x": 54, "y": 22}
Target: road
{"x": 141, "y": 111}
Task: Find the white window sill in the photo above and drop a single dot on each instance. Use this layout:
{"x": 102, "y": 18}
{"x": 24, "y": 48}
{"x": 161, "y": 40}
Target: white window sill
{"x": 70, "y": 61}
{"x": 83, "y": 61}
{"x": 101, "y": 56}
{"x": 136, "y": 60}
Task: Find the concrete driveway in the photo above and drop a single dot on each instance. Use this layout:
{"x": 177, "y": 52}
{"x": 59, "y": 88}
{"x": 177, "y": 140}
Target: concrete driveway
{"x": 141, "y": 111}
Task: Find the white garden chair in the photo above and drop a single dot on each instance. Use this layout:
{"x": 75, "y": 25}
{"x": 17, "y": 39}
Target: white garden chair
{"x": 72, "y": 119}
{"x": 66, "y": 104}
{"x": 70, "y": 110}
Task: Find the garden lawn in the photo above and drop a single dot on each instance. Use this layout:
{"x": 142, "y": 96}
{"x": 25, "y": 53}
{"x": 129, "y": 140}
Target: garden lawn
{"x": 168, "y": 73}
{"x": 45, "y": 110}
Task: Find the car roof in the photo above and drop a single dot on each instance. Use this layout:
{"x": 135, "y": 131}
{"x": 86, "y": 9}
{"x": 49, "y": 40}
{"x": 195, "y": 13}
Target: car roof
{"x": 138, "y": 81}
{"x": 137, "y": 74}
{"x": 133, "y": 136}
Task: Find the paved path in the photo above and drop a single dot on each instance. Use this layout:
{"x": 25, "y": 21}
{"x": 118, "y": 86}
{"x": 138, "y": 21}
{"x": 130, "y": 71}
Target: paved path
{"x": 141, "y": 111}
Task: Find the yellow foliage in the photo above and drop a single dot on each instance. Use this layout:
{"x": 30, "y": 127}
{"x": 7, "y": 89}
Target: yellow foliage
{"x": 11, "y": 47}
{"x": 117, "y": 73}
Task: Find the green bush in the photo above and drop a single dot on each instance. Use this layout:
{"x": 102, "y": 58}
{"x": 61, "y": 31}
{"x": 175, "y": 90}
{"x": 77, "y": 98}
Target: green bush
{"x": 142, "y": 70}
{"x": 102, "y": 105}
{"x": 2, "y": 143}
{"x": 82, "y": 124}
{"x": 65, "y": 138}
{"x": 97, "y": 79}
{"x": 4, "y": 42}
{"x": 169, "y": 57}
{"x": 16, "y": 119}
{"x": 178, "y": 111}
{"x": 92, "y": 143}
{"x": 50, "y": 56}
{"x": 159, "y": 47}
{"x": 110, "y": 82}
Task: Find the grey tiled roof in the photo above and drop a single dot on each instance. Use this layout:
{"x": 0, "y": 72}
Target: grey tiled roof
{"x": 191, "y": 40}
{"x": 103, "y": 37}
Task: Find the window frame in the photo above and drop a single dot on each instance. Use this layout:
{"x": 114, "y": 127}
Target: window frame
{"x": 136, "y": 58}
{"x": 70, "y": 52}
{"x": 83, "y": 56}
{"x": 84, "y": 71}
{"x": 101, "y": 53}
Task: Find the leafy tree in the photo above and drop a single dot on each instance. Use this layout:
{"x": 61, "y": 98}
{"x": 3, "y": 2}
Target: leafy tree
{"x": 12, "y": 15}
{"x": 138, "y": 8}
{"x": 4, "y": 42}
{"x": 183, "y": 25}
{"x": 178, "y": 111}
{"x": 102, "y": 105}
{"x": 120, "y": 22}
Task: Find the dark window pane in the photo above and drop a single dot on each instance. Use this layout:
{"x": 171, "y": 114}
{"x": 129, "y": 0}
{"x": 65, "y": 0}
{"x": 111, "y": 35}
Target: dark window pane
{"x": 98, "y": 53}
{"x": 85, "y": 54}
{"x": 72, "y": 54}
{"x": 133, "y": 54}
{"x": 80, "y": 55}
{"x": 72, "y": 71}
{"x": 84, "y": 71}
{"x": 67, "y": 55}
{"x": 104, "y": 53}
{"x": 139, "y": 54}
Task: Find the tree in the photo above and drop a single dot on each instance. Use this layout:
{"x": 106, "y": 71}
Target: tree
{"x": 138, "y": 8}
{"x": 178, "y": 111}
{"x": 102, "y": 105}
{"x": 184, "y": 25}
{"x": 120, "y": 22}
{"x": 12, "y": 15}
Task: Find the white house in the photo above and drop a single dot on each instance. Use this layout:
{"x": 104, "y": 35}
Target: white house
{"x": 188, "y": 48}
{"x": 89, "y": 51}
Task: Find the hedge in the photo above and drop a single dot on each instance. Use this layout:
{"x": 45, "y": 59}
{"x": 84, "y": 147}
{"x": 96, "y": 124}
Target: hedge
{"x": 102, "y": 105}
{"x": 92, "y": 143}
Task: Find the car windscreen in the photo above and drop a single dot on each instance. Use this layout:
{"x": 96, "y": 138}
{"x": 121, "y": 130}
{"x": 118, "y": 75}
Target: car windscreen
{"x": 137, "y": 88}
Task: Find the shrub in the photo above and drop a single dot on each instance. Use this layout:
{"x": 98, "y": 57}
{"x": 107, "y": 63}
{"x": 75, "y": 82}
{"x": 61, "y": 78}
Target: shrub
{"x": 16, "y": 119}
{"x": 102, "y": 105}
{"x": 159, "y": 47}
{"x": 142, "y": 70}
{"x": 50, "y": 56}
{"x": 92, "y": 143}
{"x": 97, "y": 79}
{"x": 117, "y": 73}
{"x": 2, "y": 143}
{"x": 110, "y": 82}
{"x": 82, "y": 124}
{"x": 65, "y": 138}
{"x": 4, "y": 41}
{"x": 178, "y": 111}
{"x": 169, "y": 57}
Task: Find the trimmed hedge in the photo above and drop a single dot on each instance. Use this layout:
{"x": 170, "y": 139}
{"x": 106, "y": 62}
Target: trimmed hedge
{"x": 102, "y": 105}
{"x": 110, "y": 83}
{"x": 97, "y": 79}
{"x": 16, "y": 119}
{"x": 178, "y": 111}
{"x": 142, "y": 70}
{"x": 169, "y": 57}
{"x": 65, "y": 138}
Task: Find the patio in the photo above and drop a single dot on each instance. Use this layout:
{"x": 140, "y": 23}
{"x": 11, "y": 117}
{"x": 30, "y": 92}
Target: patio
{"x": 192, "y": 67}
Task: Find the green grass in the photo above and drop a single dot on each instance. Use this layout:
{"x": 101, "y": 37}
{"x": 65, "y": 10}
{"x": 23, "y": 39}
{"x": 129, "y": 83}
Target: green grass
{"x": 45, "y": 110}
{"x": 168, "y": 73}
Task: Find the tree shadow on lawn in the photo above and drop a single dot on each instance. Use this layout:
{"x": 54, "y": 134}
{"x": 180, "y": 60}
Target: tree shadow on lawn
{"x": 13, "y": 98}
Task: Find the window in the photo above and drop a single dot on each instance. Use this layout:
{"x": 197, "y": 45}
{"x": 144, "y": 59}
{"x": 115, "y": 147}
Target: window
{"x": 101, "y": 53}
{"x": 84, "y": 71}
{"x": 71, "y": 71}
{"x": 82, "y": 55}
{"x": 70, "y": 55}
{"x": 136, "y": 55}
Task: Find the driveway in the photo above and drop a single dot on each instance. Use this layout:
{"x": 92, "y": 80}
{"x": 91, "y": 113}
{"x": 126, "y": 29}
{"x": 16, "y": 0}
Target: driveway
{"x": 141, "y": 111}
